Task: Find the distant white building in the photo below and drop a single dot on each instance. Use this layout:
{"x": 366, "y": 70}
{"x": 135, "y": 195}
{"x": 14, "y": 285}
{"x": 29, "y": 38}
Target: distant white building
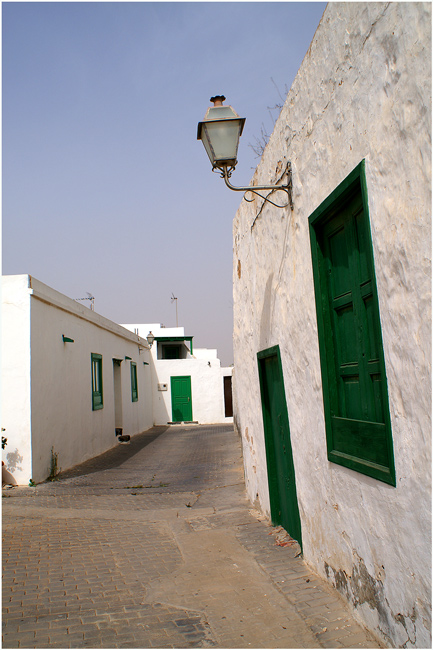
{"x": 188, "y": 384}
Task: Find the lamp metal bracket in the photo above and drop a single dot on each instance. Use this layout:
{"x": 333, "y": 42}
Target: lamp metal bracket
{"x": 226, "y": 172}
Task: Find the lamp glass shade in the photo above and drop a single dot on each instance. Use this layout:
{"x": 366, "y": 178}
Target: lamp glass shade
{"x": 150, "y": 338}
{"x": 221, "y": 140}
{"x": 220, "y": 132}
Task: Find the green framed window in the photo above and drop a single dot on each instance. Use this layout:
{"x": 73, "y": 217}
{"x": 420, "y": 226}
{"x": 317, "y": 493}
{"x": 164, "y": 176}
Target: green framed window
{"x": 134, "y": 384}
{"x": 355, "y": 395}
{"x": 97, "y": 393}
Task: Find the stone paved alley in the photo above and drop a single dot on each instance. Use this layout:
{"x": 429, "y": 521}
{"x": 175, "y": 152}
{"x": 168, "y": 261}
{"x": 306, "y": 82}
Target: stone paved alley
{"x": 154, "y": 544}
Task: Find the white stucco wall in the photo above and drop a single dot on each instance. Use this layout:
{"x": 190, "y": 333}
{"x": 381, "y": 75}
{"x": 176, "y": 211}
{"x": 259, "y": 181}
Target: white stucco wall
{"x": 363, "y": 92}
{"x": 15, "y": 376}
{"x": 143, "y": 329}
{"x": 60, "y": 389}
{"x": 205, "y": 353}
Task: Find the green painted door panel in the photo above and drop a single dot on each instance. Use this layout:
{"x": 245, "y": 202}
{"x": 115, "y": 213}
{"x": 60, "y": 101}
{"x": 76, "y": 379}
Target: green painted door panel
{"x": 281, "y": 471}
{"x": 181, "y": 402}
{"x": 349, "y": 289}
{"x": 358, "y": 428}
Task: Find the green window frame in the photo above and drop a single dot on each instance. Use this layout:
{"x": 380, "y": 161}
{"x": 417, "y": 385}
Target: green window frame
{"x": 355, "y": 394}
{"x": 97, "y": 390}
{"x": 134, "y": 383}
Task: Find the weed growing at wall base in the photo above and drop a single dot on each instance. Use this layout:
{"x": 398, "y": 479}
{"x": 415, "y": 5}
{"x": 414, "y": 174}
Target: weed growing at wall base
{"x": 54, "y": 467}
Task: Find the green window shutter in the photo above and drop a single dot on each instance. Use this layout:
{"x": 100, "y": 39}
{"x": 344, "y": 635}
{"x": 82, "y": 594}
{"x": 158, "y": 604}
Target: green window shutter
{"x": 358, "y": 427}
{"x": 134, "y": 385}
{"x": 97, "y": 393}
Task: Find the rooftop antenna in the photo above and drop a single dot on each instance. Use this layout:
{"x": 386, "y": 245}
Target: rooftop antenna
{"x": 173, "y": 298}
{"x": 89, "y": 297}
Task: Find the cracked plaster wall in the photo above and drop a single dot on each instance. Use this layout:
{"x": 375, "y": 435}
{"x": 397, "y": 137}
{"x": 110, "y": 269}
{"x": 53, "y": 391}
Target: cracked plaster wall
{"x": 363, "y": 91}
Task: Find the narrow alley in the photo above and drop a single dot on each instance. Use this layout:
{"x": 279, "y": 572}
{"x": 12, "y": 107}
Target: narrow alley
{"x": 154, "y": 544}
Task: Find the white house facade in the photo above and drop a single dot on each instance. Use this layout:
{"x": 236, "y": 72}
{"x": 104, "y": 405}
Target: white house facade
{"x": 332, "y": 316}
{"x": 72, "y": 381}
{"x": 188, "y": 384}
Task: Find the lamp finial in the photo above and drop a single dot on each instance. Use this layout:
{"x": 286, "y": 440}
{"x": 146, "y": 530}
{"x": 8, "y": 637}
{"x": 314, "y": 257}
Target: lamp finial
{"x": 217, "y": 100}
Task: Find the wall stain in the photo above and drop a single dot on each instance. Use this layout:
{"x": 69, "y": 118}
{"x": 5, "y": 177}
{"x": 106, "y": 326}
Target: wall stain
{"x": 265, "y": 321}
{"x": 361, "y": 587}
{"x": 14, "y": 461}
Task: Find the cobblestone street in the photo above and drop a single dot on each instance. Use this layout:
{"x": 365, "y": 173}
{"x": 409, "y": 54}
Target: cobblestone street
{"x": 154, "y": 544}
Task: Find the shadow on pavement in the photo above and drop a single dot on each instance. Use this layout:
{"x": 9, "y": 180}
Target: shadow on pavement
{"x": 115, "y": 456}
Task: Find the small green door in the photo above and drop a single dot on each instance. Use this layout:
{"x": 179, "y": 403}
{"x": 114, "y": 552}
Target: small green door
{"x": 281, "y": 471}
{"x": 181, "y": 404}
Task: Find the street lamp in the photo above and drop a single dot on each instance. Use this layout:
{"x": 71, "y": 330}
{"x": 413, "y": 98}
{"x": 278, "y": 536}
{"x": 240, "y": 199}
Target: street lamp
{"x": 220, "y": 132}
{"x": 150, "y": 339}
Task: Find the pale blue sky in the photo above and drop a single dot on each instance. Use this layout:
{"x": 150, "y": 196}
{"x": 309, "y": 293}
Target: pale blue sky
{"x": 105, "y": 187}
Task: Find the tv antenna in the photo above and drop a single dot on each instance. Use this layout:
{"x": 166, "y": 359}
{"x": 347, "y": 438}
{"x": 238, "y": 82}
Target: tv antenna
{"x": 89, "y": 297}
{"x": 173, "y": 298}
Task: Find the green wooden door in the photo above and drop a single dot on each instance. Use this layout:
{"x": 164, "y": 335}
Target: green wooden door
{"x": 281, "y": 471}
{"x": 181, "y": 404}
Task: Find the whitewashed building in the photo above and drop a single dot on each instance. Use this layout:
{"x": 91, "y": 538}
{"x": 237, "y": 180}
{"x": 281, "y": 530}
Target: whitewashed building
{"x": 72, "y": 381}
{"x": 332, "y": 316}
{"x": 188, "y": 384}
